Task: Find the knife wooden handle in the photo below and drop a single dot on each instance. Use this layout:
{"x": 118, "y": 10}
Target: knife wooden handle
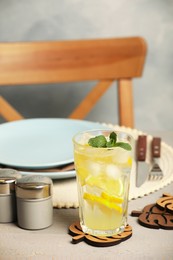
{"x": 141, "y": 147}
{"x": 156, "y": 147}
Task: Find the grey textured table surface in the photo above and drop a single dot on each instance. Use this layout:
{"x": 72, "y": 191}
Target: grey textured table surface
{"x": 55, "y": 242}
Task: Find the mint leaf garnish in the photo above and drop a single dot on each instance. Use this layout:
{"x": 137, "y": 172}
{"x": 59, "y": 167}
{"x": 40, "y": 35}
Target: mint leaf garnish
{"x": 125, "y": 146}
{"x": 113, "y": 139}
{"x": 110, "y": 144}
{"x": 101, "y": 142}
{"x": 98, "y": 141}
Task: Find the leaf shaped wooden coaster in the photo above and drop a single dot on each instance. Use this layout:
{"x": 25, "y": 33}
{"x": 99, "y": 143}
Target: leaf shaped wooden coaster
{"x": 157, "y": 215}
{"x": 100, "y": 241}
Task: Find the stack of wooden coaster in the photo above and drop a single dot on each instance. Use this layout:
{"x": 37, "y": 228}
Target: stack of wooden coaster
{"x": 157, "y": 215}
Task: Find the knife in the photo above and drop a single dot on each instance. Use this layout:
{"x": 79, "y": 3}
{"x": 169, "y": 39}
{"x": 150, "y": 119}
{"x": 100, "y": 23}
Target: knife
{"x": 142, "y": 167}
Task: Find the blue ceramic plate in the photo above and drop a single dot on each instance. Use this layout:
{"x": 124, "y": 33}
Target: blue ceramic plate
{"x": 53, "y": 175}
{"x": 40, "y": 143}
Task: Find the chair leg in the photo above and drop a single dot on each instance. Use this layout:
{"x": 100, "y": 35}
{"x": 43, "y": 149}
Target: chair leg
{"x": 8, "y": 112}
{"x": 125, "y": 97}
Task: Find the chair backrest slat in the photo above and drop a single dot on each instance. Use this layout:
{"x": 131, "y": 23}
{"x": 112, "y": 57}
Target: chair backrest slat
{"x": 101, "y": 60}
{"x": 67, "y": 61}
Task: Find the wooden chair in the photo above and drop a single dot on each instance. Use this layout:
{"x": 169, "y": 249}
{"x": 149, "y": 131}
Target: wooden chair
{"x": 104, "y": 60}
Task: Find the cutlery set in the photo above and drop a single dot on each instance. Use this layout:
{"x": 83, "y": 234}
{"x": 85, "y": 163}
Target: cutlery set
{"x": 143, "y": 171}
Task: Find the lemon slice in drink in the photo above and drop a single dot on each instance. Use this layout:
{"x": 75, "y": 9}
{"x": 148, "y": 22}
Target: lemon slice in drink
{"x": 102, "y": 201}
{"x": 114, "y": 187}
{"x": 113, "y": 199}
{"x": 111, "y": 186}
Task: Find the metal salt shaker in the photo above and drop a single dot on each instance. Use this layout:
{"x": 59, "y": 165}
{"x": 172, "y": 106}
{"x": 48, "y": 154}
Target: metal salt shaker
{"x": 34, "y": 202}
{"x": 8, "y": 178}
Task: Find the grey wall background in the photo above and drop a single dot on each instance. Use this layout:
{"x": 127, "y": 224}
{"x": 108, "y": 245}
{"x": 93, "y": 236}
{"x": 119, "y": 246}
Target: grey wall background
{"x": 22, "y": 20}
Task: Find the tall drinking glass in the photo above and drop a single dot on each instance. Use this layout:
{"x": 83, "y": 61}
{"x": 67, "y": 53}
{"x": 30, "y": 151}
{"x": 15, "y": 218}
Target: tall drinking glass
{"x": 103, "y": 179}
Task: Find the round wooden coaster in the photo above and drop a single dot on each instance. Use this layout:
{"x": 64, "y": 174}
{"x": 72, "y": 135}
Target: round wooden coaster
{"x": 100, "y": 241}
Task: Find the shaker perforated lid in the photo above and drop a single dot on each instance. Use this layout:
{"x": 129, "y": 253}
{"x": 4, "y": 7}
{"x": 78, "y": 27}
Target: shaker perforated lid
{"x": 34, "y": 187}
{"x": 8, "y": 178}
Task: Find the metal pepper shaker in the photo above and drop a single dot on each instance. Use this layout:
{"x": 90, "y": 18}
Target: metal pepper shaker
{"x": 34, "y": 202}
{"x": 8, "y": 178}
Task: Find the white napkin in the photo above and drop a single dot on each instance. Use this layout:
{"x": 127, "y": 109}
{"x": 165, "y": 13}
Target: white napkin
{"x": 65, "y": 193}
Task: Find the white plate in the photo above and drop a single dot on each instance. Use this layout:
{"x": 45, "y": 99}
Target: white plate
{"x": 53, "y": 175}
{"x": 40, "y": 143}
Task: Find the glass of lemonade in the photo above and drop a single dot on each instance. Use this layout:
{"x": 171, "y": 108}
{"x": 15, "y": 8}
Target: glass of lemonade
{"x": 103, "y": 165}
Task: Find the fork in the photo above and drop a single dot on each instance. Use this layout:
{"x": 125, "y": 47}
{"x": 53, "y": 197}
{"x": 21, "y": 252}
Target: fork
{"x": 155, "y": 172}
